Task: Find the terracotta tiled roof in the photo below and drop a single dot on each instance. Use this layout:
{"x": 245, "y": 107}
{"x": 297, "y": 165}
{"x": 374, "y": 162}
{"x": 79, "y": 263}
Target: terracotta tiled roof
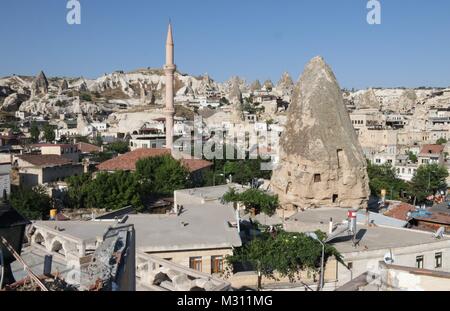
{"x": 127, "y": 162}
{"x": 431, "y": 149}
{"x": 88, "y": 148}
{"x": 45, "y": 160}
{"x": 194, "y": 165}
{"x": 400, "y": 211}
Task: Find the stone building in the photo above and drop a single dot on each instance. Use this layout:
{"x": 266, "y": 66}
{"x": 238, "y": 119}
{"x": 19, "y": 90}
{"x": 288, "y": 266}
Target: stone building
{"x": 36, "y": 169}
{"x": 321, "y": 161}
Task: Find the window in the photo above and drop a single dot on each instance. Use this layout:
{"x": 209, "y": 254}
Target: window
{"x": 335, "y": 197}
{"x": 216, "y": 264}
{"x": 419, "y": 262}
{"x": 317, "y": 178}
{"x": 438, "y": 260}
{"x": 195, "y": 263}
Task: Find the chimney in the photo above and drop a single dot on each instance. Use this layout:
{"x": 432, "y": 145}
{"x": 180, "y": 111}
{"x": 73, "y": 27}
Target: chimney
{"x": 176, "y": 207}
{"x": 351, "y": 216}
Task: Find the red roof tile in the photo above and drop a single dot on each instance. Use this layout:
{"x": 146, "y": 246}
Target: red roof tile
{"x": 127, "y": 162}
{"x": 432, "y": 149}
{"x": 400, "y": 211}
{"x": 194, "y": 165}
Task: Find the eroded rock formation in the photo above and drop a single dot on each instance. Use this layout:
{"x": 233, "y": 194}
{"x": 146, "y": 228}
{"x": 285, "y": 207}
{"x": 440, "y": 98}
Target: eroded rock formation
{"x": 368, "y": 100}
{"x": 39, "y": 85}
{"x": 321, "y": 161}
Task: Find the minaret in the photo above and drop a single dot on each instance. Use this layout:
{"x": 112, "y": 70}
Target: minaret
{"x": 169, "y": 70}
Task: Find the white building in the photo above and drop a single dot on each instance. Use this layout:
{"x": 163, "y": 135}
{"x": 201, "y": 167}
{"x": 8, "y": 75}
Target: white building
{"x": 99, "y": 126}
{"x": 406, "y": 171}
{"x": 208, "y": 103}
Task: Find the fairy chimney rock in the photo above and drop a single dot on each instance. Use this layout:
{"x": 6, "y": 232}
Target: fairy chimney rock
{"x": 321, "y": 161}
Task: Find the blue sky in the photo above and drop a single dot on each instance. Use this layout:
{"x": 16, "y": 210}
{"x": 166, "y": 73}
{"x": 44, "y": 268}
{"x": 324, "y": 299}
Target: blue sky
{"x": 251, "y": 38}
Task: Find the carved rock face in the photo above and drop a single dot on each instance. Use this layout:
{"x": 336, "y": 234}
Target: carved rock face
{"x": 321, "y": 161}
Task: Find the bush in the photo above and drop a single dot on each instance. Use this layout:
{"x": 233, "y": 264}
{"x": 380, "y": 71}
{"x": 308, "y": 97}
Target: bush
{"x": 86, "y": 97}
{"x": 120, "y": 147}
{"x": 34, "y": 204}
{"x": 427, "y": 180}
{"x": 385, "y": 177}
{"x": 162, "y": 175}
{"x": 156, "y": 176}
{"x": 441, "y": 141}
{"x": 108, "y": 191}
{"x": 253, "y": 198}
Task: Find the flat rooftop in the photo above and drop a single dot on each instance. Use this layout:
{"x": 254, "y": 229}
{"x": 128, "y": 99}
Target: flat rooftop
{"x": 202, "y": 226}
{"x": 212, "y": 193}
{"x": 319, "y": 219}
{"x": 378, "y": 238}
{"x": 384, "y": 232}
{"x": 34, "y": 258}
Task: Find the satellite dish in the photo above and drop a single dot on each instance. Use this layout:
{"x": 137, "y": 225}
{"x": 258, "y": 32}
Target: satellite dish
{"x": 388, "y": 258}
{"x": 440, "y": 233}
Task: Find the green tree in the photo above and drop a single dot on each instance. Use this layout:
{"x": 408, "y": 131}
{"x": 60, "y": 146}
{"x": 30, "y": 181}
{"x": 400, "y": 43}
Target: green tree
{"x": 441, "y": 141}
{"x": 154, "y": 176}
{"x": 77, "y": 192}
{"x": 385, "y": 177}
{"x": 412, "y": 157}
{"x": 102, "y": 156}
{"x": 35, "y": 132}
{"x": 34, "y": 203}
{"x": 244, "y": 171}
{"x": 49, "y": 133}
{"x": 109, "y": 191}
{"x": 253, "y": 198}
{"x": 98, "y": 140}
{"x": 427, "y": 180}
{"x": 284, "y": 254}
{"x": 162, "y": 175}
{"x": 120, "y": 147}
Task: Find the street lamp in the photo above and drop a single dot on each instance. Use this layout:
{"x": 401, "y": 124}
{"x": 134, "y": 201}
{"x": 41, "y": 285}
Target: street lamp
{"x": 314, "y": 236}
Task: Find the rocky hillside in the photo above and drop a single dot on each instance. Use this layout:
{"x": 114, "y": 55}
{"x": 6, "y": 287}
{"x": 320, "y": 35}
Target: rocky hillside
{"x": 398, "y": 100}
{"x": 146, "y": 87}
{"x": 44, "y": 95}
